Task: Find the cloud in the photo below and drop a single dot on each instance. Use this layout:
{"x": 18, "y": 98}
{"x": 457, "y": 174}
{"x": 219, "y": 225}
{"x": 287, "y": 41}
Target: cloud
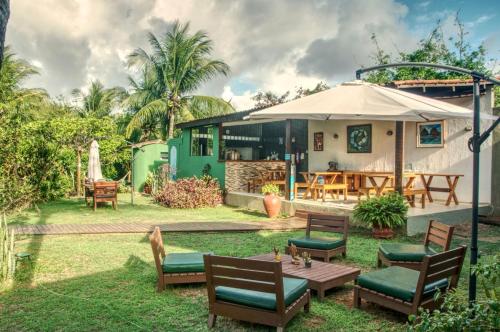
{"x": 273, "y": 45}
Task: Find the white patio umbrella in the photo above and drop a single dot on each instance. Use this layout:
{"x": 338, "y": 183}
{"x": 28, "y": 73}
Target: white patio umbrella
{"x": 94, "y": 170}
{"x": 364, "y": 101}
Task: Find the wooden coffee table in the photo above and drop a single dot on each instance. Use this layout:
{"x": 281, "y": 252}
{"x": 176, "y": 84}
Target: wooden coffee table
{"x": 321, "y": 276}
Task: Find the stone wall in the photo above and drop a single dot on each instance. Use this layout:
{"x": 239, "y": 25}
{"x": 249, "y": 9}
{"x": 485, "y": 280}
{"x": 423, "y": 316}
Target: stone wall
{"x": 239, "y": 172}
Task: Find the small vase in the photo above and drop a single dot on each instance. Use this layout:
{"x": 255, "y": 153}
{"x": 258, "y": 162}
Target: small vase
{"x": 308, "y": 264}
{"x": 272, "y": 204}
{"x": 382, "y": 233}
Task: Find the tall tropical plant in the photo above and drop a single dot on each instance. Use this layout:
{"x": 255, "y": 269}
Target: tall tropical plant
{"x": 99, "y": 101}
{"x": 179, "y": 63}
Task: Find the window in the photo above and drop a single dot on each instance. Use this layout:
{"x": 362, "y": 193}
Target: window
{"x": 202, "y": 141}
{"x": 164, "y": 155}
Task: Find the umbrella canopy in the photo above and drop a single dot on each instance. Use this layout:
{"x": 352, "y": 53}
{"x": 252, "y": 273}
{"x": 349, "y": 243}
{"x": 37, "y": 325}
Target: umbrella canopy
{"x": 364, "y": 101}
{"x": 94, "y": 170}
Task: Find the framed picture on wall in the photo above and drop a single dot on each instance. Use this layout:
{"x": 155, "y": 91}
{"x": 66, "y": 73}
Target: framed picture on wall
{"x": 318, "y": 141}
{"x": 430, "y": 134}
{"x": 359, "y": 138}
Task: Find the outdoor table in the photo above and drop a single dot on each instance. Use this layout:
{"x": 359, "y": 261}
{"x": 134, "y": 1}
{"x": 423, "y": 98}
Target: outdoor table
{"x": 321, "y": 276}
{"x": 452, "y": 181}
{"x": 386, "y": 177}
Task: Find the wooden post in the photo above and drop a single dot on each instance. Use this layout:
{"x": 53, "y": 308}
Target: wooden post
{"x": 399, "y": 156}
{"x": 288, "y": 157}
{"x": 78, "y": 170}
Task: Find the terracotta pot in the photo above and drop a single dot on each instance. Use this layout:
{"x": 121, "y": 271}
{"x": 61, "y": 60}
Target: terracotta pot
{"x": 382, "y": 233}
{"x": 272, "y": 204}
{"x": 147, "y": 189}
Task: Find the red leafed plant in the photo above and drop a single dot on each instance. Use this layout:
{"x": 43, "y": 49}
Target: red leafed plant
{"x": 190, "y": 193}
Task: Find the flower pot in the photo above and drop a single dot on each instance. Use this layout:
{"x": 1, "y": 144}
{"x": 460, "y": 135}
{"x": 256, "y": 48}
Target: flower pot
{"x": 308, "y": 264}
{"x": 382, "y": 233}
{"x": 147, "y": 189}
{"x": 272, "y": 204}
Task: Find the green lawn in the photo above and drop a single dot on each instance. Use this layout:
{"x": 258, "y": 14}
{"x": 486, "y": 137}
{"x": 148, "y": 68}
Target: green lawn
{"x": 74, "y": 211}
{"x": 107, "y": 282}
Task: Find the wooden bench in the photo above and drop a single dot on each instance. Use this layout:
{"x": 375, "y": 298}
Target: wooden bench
{"x": 437, "y": 233}
{"x": 414, "y": 289}
{"x": 411, "y": 193}
{"x": 323, "y": 223}
{"x": 331, "y": 186}
{"x": 165, "y": 278}
{"x": 261, "y": 284}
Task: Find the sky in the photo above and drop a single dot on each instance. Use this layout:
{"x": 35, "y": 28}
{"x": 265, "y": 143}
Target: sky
{"x": 270, "y": 45}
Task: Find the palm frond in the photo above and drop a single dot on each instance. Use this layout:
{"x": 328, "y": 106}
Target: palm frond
{"x": 154, "y": 111}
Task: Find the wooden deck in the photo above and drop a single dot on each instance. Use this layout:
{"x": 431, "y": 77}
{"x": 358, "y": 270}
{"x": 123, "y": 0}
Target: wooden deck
{"x": 205, "y": 226}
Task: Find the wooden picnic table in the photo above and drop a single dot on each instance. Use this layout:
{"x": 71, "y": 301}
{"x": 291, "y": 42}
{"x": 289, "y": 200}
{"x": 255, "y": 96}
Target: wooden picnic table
{"x": 321, "y": 276}
{"x": 312, "y": 178}
{"x": 451, "y": 180}
{"x": 386, "y": 178}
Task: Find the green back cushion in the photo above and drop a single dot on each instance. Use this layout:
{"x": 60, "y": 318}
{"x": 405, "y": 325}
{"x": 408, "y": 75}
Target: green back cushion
{"x": 316, "y": 243}
{"x": 184, "y": 262}
{"x": 293, "y": 289}
{"x": 405, "y": 252}
{"x": 398, "y": 282}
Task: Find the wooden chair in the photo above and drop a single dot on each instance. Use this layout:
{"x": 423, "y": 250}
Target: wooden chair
{"x": 105, "y": 192}
{"x": 411, "y": 255}
{"x": 88, "y": 189}
{"x": 254, "y": 291}
{"x": 189, "y": 272}
{"x": 405, "y": 290}
{"x": 322, "y": 247}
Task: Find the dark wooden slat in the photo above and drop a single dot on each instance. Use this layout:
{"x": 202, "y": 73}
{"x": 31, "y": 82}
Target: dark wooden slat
{"x": 242, "y": 273}
{"x": 244, "y": 284}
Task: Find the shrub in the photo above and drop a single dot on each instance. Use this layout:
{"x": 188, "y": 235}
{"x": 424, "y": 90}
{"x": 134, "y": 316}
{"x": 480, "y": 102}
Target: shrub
{"x": 388, "y": 211}
{"x": 455, "y": 314}
{"x": 270, "y": 189}
{"x": 190, "y": 193}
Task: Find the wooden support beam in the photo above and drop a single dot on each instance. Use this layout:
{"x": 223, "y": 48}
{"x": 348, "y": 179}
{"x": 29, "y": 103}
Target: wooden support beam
{"x": 288, "y": 157}
{"x": 399, "y": 156}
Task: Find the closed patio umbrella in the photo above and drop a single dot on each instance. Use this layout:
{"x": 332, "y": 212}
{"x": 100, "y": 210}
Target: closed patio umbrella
{"x": 360, "y": 100}
{"x": 94, "y": 170}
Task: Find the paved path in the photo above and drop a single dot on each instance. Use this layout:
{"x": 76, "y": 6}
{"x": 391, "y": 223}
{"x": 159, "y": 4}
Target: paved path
{"x": 205, "y": 226}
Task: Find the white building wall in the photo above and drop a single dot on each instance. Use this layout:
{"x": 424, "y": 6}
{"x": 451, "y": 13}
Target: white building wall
{"x": 453, "y": 158}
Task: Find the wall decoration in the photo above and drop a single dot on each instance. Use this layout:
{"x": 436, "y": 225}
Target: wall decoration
{"x": 430, "y": 134}
{"x": 318, "y": 141}
{"x": 359, "y": 139}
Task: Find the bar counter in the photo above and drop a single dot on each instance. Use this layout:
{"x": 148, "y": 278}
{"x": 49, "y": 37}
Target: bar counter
{"x": 239, "y": 172}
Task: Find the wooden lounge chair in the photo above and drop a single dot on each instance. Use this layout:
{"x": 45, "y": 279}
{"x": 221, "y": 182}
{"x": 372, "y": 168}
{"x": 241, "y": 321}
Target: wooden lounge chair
{"x": 175, "y": 268}
{"x": 411, "y": 255}
{"x": 405, "y": 290}
{"x": 319, "y": 247}
{"x": 254, "y": 291}
{"x": 105, "y": 192}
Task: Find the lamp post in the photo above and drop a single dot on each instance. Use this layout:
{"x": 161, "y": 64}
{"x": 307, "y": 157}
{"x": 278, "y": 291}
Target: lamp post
{"x": 474, "y": 145}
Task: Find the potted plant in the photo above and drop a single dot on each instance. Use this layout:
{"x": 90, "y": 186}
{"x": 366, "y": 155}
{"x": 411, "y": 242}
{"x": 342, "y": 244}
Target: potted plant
{"x": 382, "y": 214}
{"x": 148, "y": 184}
{"x": 272, "y": 203}
{"x": 307, "y": 259}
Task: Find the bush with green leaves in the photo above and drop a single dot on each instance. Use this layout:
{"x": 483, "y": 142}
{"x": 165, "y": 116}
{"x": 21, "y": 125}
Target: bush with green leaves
{"x": 455, "y": 314}
{"x": 387, "y": 211}
{"x": 270, "y": 189}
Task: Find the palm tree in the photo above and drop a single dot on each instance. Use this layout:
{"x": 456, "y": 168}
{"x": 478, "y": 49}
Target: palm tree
{"x": 180, "y": 63}
{"x": 99, "y": 101}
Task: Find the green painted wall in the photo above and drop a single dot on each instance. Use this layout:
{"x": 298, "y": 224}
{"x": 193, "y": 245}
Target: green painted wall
{"x": 147, "y": 161}
{"x": 188, "y": 166}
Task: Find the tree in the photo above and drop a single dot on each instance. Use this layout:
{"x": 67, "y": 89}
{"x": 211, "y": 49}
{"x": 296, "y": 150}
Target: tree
{"x": 269, "y": 98}
{"x": 301, "y": 92}
{"x": 180, "y": 63}
{"x": 99, "y": 101}
{"x": 4, "y": 18}
{"x": 456, "y": 51}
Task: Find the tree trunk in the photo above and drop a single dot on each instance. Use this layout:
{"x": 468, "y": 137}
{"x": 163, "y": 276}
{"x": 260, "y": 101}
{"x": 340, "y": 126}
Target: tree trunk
{"x": 78, "y": 170}
{"x": 171, "y": 124}
{"x": 4, "y": 17}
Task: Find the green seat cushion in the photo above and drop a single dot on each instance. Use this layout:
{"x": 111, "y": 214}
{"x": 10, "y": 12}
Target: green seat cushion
{"x": 184, "y": 262}
{"x": 398, "y": 282}
{"x": 316, "y": 243}
{"x": 405, "y": 252}
{"x": 293, "y": 289}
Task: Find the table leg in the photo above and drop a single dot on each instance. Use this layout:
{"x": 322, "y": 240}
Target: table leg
{"x": 321, "y": 294}
{"x": 380, "y": 189}
{"x": 427, "y": 185}
{"x": 452, "y": 186}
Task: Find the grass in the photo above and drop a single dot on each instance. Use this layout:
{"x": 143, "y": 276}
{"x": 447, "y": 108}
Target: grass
{"x": 74, "y": 211}
{"x": 107, "y": 283}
